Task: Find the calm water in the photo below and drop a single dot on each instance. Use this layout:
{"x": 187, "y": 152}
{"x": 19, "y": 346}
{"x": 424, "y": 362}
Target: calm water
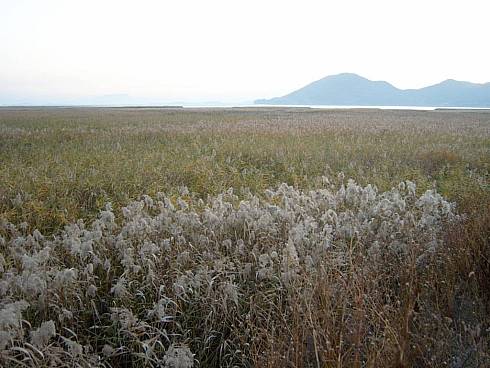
{"x": 225, "y": 106}
{"x": 422, "y": 108}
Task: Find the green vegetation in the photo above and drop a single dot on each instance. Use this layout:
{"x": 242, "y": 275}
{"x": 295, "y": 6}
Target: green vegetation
{"x": 402, "y": 280}
{"x": 68, "y": 163}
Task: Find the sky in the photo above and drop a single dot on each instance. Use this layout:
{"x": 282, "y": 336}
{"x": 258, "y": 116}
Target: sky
{"x": 232, "y": 51}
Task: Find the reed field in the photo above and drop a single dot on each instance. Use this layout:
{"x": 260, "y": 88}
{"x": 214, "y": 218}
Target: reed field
{"x": 244, "y": 237}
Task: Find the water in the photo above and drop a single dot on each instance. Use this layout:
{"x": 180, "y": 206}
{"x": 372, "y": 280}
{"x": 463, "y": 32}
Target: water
{"x": 344, "y": 107}
{"x": 229, "y": 106}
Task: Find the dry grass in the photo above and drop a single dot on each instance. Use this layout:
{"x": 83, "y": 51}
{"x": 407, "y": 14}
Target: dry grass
{"x": 356, "y": 309}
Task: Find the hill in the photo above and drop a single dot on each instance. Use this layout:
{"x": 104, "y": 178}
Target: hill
{"x": 352, "y": 89}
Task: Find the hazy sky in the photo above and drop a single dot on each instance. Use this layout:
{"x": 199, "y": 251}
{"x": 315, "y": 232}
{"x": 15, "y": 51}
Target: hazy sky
{"x": 233, "y": 50}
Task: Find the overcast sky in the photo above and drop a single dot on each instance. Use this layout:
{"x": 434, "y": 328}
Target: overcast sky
{"x": 233, "y": 50}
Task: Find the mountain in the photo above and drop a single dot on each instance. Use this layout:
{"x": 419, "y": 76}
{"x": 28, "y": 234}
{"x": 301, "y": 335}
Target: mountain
{"x": 352, "y": 89}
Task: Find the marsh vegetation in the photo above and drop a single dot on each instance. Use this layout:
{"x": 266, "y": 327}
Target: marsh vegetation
{"x": 244, "y": 237}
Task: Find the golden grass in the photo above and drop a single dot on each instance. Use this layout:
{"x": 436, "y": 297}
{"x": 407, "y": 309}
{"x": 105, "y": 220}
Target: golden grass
{"x": 69, "y": 162}
{"x": 58, "y": 165}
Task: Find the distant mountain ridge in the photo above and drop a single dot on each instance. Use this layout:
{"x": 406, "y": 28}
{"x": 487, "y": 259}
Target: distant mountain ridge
{"x": 352, "y": 89}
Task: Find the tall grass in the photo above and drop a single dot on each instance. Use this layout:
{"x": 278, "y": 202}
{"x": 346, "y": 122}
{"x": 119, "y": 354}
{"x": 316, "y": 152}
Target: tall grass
{"x": 227, "y": 238}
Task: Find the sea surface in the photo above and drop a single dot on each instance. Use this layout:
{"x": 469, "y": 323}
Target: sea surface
{"x": 344, "y": 107}
{"x": 229, "y": 106}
